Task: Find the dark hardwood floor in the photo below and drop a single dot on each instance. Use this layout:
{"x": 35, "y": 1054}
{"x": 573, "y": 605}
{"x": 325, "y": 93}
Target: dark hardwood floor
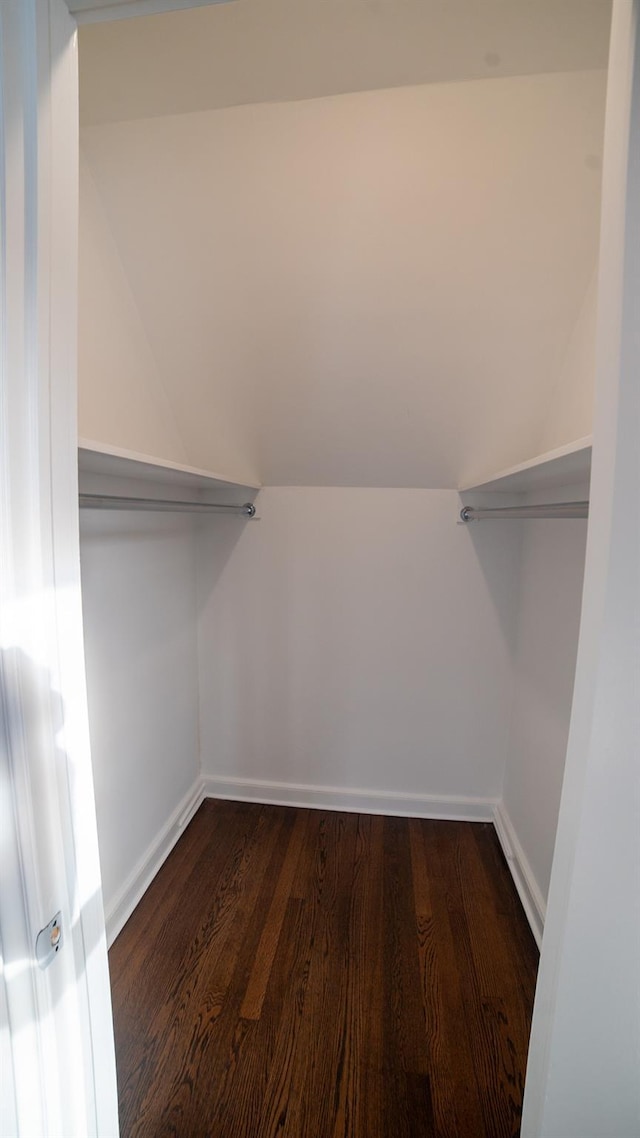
{"x": 311, "y": 974}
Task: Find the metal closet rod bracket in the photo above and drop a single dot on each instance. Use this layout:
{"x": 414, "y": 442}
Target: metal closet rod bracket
{"x": 545, "y": 510}
{"x": 166, "y": 505}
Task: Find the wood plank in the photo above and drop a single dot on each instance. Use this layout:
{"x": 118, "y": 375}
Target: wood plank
{"x": 456, "y": 1103}
{"x": 407, "y": 1104}
{"x": 358, "y": 1102}
{"x": 239, "y": 1059}
{"x": 181, "y": 1029}
{"x": 486, "y": 978}
{"x": 317, "y": 1064}
{"x": 266, "y": 951}
{"x": 371, "y": 1120}
{"x": 155, "y": 944}
{"x": 271, "y": 1118}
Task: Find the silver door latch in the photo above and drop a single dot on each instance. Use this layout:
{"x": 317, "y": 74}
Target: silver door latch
{"x": 49, "y": 941}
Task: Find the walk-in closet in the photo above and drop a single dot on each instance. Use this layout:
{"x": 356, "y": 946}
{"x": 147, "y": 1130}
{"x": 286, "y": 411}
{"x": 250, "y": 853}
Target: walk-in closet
{"x": 338, "y": 290}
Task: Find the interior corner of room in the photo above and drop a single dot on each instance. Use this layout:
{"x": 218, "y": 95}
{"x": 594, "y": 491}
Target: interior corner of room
{"x": 348, "y": 301}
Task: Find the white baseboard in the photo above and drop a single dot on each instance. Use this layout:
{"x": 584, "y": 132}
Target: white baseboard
{"x": 533, "y": 902}
{"x": 141, "y": 876}
{"x": 350, "y": 799}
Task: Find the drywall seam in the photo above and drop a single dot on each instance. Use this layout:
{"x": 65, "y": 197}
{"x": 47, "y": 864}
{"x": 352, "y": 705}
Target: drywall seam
{"x": 143, "y": 873}
{"x": 521, "y": 871}
{"x": 351, "y": 799}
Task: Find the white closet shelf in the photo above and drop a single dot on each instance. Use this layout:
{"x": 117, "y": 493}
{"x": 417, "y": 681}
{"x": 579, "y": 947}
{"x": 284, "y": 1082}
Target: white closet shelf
{"x": 565, "y": 466}
{"x": 100, "y": 459}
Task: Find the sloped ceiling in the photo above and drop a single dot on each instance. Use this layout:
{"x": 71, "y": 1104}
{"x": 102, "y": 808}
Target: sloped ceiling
{"x": 377, "y": 288}
{"x": 257, "y": 51}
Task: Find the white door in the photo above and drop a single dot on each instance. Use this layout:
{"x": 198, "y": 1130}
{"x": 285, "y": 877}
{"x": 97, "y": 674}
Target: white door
{"x": 583, "y": 1077}
{"x": 56, "y": 1039}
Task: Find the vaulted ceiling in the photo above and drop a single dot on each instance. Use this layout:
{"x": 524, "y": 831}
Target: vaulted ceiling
{"x": 290, "y": 274}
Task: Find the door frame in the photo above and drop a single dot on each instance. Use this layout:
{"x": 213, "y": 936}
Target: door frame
{"x": 56, "y": 1034}
{"x": 582, "y": 1077}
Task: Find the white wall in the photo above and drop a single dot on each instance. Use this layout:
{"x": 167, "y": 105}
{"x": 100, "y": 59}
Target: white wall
{"x": 569, "y": 414}
{"x": 357, "y": 640}
{"x": 373, "y": 289}
{"x": 138, "y": 584}
{"x": 121, "y": 398}
{"x": 548, "y": 618}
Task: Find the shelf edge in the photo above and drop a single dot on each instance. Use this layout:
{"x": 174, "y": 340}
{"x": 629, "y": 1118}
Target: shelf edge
{"x": 171, "y": 467}
{"x": 540, "y": 461}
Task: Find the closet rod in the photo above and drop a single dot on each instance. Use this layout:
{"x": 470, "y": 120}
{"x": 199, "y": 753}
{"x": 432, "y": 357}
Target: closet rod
{"x": 549, "y": 510}
{"x": 122, "y": 502}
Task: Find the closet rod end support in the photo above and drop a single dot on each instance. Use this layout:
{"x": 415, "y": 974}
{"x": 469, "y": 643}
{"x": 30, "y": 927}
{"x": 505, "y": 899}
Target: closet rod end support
{"x": 465, "y": 514}
{"x": 249, "y": 509}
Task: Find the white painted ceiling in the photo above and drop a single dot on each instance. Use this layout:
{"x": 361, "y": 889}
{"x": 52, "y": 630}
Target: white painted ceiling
{"x": 254, "y": 51}
{"x": 381, "y": 288}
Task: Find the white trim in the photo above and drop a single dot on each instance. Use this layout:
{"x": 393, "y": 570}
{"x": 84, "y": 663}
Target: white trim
{"x": 102, "y": 458}
{"x": 351, "y": 799}
{"x": 132, "y": 891}
{"x": 50, "y": 859}
{"x": 533, "y": 902}
{"x": 97, "y": 11}
{"x": 565, "y": 466}
{"x": 582, "y": 1069}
